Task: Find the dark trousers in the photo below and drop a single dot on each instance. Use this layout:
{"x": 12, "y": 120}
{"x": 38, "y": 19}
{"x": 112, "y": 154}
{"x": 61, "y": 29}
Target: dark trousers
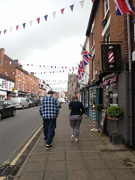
{"x": 49, "y": 126}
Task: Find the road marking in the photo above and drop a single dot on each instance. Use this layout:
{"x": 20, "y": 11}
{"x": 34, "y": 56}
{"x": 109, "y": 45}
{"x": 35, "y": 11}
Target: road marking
{"x": 25, "y": 147}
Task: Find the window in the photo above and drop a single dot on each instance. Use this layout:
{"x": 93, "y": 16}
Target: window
{"x": 106, "y": 7}
{"x": 19, "y": 85}
{"x": 107, "y": 37}
{"x": 92, "y": 97}
{"x": 19, "y": 74}
{"x": 110, "y": 94}
{"x": 92, "y": 36}
{"x": 23, "y": 86}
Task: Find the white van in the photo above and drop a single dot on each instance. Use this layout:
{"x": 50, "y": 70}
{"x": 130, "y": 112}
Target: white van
{"x": 20, "y": 102}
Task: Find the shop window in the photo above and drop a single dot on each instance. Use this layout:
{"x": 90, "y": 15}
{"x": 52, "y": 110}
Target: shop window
{"x": 86, "y": 99}
{"x": 92, "y": 97}
{"x": 10, "y": 86}
{"x": 110, "y": 94}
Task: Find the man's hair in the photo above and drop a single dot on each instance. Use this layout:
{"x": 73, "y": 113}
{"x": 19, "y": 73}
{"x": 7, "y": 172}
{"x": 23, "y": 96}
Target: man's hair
{"x": 50, "y": 92}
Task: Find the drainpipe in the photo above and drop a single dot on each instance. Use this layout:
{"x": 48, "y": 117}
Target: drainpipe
{"x": 130, "y": 81}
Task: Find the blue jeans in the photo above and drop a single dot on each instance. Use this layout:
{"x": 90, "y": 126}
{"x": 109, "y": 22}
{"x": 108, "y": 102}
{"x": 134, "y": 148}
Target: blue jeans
{"x": 49, "y": 126}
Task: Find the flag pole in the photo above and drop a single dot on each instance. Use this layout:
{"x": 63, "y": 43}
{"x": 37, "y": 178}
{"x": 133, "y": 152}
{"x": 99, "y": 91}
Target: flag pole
{"x": 130, "y": 80}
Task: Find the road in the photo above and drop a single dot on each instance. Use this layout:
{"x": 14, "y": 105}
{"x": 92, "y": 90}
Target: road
{"x": 16, "y": 131}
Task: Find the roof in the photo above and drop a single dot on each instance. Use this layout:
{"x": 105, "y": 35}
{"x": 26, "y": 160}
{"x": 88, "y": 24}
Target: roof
{"x": 92, "y": 16}
{"x": 15, "y": 64}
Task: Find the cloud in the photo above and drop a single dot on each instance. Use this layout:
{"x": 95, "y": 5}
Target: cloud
{"x": 55, "y": 42}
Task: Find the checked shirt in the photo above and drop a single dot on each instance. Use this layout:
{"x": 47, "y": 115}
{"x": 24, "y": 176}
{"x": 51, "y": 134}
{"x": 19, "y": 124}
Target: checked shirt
{"x": 49, "y": 108}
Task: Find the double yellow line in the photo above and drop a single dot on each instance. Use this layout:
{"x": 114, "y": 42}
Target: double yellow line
{"x": 13, "y": 163}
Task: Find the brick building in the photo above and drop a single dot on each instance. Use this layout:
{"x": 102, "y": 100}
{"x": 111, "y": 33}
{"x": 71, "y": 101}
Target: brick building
{"x": 25, "y": 84}
{"x": 111, "y": 83}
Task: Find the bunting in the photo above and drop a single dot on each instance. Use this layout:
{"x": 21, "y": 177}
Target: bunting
{"x": 39, "y": 18}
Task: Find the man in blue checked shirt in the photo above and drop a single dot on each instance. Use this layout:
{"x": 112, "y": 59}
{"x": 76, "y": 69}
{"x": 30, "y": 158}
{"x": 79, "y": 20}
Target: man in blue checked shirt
{"x": 49, "y": 111}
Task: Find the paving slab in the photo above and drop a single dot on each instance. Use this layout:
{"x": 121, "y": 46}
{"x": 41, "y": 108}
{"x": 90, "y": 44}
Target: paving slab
{"x": 92, "y": 158}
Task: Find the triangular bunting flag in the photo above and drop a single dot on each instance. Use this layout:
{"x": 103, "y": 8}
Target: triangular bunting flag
{"x": 81, "y": 3}
{"x": 11, "y": 29}
{"x": 24, "y": 24}
{"x": 54, "y": 14}
{"x": 62, "y": 10}
{"x": 31, "y": 22}
{"x": 38, "y": 20}
{"x": 46, "y": 16}
{"x": 72, "y": 7}
{"x": 17, "y": 27}
{"x": 5, "y": 31}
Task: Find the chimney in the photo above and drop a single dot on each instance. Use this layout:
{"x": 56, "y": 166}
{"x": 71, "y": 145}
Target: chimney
{"x": 2, "y": 53}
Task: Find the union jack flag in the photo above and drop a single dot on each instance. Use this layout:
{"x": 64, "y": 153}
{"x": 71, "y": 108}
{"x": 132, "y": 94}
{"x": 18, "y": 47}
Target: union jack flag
{"x": 86, "y": 56}
{"x": 123, "y": 7}
{"x": 80, "y": 71}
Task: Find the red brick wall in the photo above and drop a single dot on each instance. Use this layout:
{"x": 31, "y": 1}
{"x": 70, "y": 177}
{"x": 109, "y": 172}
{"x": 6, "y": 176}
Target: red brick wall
{"x": 118, "y": 32}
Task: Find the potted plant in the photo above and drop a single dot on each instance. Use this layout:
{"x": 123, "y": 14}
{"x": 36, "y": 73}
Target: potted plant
{"x": 99, "y": 107}
{"x": 114, "y": 113}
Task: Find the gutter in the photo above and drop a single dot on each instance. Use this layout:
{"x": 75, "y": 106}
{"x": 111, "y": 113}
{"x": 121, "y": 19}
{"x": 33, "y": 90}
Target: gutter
{"x": 130, "y": 81}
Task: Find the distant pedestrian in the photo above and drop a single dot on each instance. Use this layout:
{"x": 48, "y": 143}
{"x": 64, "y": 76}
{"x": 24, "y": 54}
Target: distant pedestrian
{"x": 49, "y": 111}
{"x": 77, "y": 110}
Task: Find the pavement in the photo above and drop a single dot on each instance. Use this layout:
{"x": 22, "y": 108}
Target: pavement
{"x": 92, "y": 158}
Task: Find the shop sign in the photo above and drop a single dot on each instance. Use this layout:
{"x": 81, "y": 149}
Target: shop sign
{"x": 111, "y": 57}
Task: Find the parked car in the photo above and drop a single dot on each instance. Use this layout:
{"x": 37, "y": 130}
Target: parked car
{"x": 36, "y": 101}
{"x": 7, "y": 109}
{"x": 20, "y": 102}
{"x": 59, "y": 104}
{"x": 31, "y": 103}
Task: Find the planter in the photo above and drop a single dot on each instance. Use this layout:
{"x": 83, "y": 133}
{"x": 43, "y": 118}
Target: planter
{"x": 115, "y": 138}
{"x": 113, "y": 119}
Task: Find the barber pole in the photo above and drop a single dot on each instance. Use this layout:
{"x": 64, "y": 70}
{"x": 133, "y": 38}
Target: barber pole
{"x": 111, "y": 57}
{"x": 94, "y": 120}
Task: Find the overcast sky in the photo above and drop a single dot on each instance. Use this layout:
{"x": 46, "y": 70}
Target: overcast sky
{"x": 55, "y": 42}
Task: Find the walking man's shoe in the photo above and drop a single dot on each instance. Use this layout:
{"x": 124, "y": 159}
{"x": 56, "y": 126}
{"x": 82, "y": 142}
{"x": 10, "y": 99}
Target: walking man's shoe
{"x": 48, "y": 147}
{"x": 72, "y": 138}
